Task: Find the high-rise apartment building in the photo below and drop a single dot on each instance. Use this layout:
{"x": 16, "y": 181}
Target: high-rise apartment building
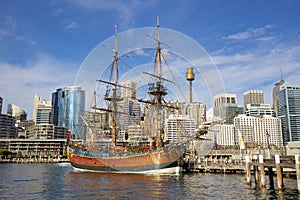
{"x": 261, "y": 131}
{"x": 221, "y": 135}
{"x": 197, "y": 111}
{"x": 224, "y": 105}
{"x": 259, "y": 110}
{"x": 46, "y": 131}
{"x": 17, "y": 112}
{"x": 253, "y": 97}
{"x": 129, "y": 108}
{"x": 129, "y": 90}
{"x": 23, "y": 127}
{"x": 129, "y": 114}
{"x": 7, "y": 127}
{"x": 68, "y": 106}
{"x": 43, "y": 114}
{"x": 176, "y": 108}
{"x": 41, "y": 110}
{"x": 1, "y": 103}
{"x": 275, "y": 90}
{"x": 135, "y": 132}
{"x": 179, "y": 127}
{"x": 288, "y": 105}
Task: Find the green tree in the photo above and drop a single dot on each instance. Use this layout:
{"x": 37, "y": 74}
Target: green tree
{"x": 4, "y": 153}
{"x": 19, "y": 154}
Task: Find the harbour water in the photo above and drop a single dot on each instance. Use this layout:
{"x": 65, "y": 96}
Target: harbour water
{"x": 59, "y": 181}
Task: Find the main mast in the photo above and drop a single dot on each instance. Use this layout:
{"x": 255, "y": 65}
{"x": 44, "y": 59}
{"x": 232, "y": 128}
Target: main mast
{"x": 158, "y": 90}
{"x": 114, "y": 94}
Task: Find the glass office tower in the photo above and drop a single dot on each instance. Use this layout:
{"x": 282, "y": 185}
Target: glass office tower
{"x": 68, "y": 104}
{"x": 288, "y": 105}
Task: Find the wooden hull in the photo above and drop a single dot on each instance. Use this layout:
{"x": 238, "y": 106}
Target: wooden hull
{"x": 164, "y": 161}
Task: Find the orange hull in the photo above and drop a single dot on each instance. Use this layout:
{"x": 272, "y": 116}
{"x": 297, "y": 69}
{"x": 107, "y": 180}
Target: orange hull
{"x": 156, "y": 160}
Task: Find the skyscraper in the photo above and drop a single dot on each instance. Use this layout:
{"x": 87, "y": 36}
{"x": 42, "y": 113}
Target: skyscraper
{"x": 129, "y": 107}
{"x": 17, "y": 112}
{"x": 197, "y": 111}
{"x": 275, "y": 90}
{"x": 129, "y": 90}
{"x": 8, "y": 127}
{"x": 179, "y": 127}
{"x": 253, "y": 97}
{"x": 288, "y": 105}
{"x": 1, "y": 103}
{"x": 224, "y": 105}
{"x": 259, "y": 110}
{"x": 41, "y": 110}
{"x": 68, "y": 105}
{"x": 130, "y": 114}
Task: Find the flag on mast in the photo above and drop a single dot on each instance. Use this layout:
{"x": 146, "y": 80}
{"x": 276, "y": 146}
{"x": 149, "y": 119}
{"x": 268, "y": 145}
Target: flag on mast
{"x": 215, "y": 142}
{"x": 241, "y": 141}
{"x": 268, "y": 137}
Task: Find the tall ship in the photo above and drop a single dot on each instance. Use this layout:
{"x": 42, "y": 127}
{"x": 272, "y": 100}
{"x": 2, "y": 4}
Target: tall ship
{"x": 153, "y": 155}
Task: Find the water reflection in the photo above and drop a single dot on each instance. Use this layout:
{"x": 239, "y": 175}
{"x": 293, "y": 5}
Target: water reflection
{"x": 48, "y": 181}
{"x": 117, "y": 186}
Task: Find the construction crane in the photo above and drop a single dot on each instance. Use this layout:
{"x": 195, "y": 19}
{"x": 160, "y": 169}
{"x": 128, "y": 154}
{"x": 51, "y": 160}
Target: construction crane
{"x": 203, "y": 130}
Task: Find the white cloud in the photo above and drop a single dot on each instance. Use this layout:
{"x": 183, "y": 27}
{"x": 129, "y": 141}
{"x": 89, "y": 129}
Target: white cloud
{"x": 9, "y": 28}
{"x": 250, "y": 33}
{"x": 71, "y": 26}
{"x": 259, "y": 69}
{"x": 19, "y": 84}
{"x": 235, "y": 58}
{"x": 124, "y": 9}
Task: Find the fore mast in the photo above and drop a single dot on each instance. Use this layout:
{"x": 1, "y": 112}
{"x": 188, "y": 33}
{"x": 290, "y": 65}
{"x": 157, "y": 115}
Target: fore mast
{"x": 113, "y": 98}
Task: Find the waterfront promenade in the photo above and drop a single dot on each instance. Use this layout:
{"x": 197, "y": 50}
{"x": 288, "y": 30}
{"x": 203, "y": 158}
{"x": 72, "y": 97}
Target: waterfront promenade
{"x": 34, "y": 160}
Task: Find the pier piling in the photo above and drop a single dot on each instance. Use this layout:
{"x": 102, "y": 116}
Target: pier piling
{"x": 279, "y": 172}
{"x": 256, "y": 175}
{"x": 262, "y": 171}
{"x": 297, "y": 166}
{"x": 248, "y": 169}
{"x": 271, "y": 177}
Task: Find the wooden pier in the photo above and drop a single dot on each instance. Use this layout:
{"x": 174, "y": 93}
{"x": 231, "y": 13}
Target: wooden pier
{"x": 215, "y": 166}
{"x": 274, "y": 166}
{"x": 256, "y": 166}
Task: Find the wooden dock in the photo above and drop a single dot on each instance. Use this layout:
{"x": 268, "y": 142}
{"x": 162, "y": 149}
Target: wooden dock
{"x": 216, "y": 166}
{"x": 274, "y": 166}
{"x": 256, "y": 166}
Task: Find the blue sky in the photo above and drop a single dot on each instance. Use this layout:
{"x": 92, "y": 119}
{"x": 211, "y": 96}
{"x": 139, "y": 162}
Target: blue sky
{"x": 43, "y": 43}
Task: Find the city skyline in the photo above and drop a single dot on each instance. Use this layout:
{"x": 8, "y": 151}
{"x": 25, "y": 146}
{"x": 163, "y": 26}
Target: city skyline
{"x": 42, "y": 44}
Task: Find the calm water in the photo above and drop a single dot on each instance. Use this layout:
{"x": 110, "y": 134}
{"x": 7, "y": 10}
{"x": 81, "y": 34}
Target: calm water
{"x": 54, "y": 181}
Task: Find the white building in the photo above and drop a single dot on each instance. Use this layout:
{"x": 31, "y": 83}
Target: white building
{"x": 129, "y": 90}
{"x": 41, "y": 110}
{"x": 259, "y": 109}
{"x": 46, "y": 131}
{"x": 179, "y": 127}
{"x": 129, "y": 114}
{"x": 264, "y": 130}
{"x": 197, "y": 111}
{"x": 135, "y": 131}
{"x": 17, "y": 112}
{"x": 224, "y": 105}
{"x": 222, "y": 134}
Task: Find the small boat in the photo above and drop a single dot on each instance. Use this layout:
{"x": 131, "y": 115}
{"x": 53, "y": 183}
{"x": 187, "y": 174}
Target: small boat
{"x": 154, "y": 157}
